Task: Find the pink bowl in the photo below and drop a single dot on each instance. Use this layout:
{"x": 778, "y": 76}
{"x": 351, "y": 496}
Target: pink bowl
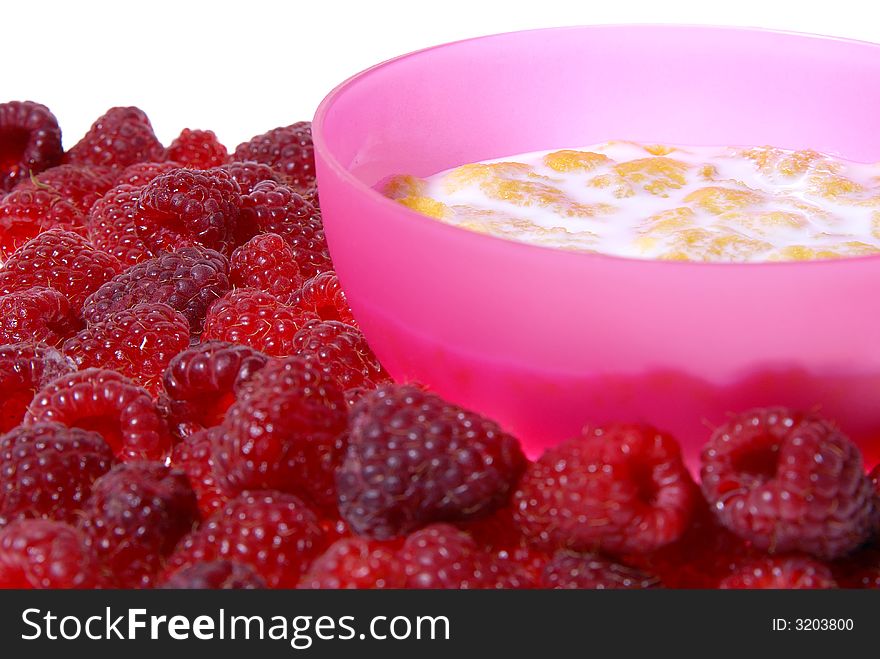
{"x": 544, "y": 340}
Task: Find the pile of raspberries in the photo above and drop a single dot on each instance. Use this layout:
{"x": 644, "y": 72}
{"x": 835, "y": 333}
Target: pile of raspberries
{"x": 186, "y": 401}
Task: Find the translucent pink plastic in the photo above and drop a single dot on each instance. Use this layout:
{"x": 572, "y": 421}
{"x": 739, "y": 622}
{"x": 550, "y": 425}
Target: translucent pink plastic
{"x": 545, "y": 340}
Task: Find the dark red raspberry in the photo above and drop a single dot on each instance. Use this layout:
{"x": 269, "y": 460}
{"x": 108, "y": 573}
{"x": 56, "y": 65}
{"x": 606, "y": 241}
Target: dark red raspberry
{"x": 276, "y": 208}
{"x": 187, "y": 280}
{"x": 356, "y": 563}
{"x": 414, "y": 458}
{"x": 284, "y": 432}
{"x": 215, "y": 575}
{"x": 311, "y": 195}
{"x": 441, "y": 556}
{"x": 775, "y": 572}
{"x": 118, "y": 138}
{"x": 111, "y": 405}
{"x": 37, "y": 553}
{"x": 274, "y": 533}
{"x": 61, "y": 260}
{"x": 25, "y": 368}
{"x": 342, "y": 353}
{"x": 323, "y": 296}
{"x": 267, "y": 263}
{"x": 81, "y": 186}
{"x": 30, "y": 141}
{"x": 141, "y": 173}
{"x": 622, "y": 488}
{"x": 568, "y": 570}
{"x": 37, "y": 315}
{"x": 47, "y": 471}
{"x": 194, "y": 455}
{"x": 138, "y": 342}
{"x": 112, "y": 228}
{"x": 288, "y": 150}
{"x": 135, "y": 517}
{"x": 248, "y": 174}
{"x": 789, "y": 482}
{"x": 201, "y": 382}
{"x": 198, "y": 149}
{"x": 27, "y": 211}
{"x": 859, "y": 570}
{"x": 256, "y": 319}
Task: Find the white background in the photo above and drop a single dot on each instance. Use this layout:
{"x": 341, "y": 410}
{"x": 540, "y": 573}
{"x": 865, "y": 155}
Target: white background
{"x": 243, "y": 67}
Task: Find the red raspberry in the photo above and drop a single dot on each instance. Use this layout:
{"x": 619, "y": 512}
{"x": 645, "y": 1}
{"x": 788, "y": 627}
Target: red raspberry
{"x": 255, "y": 319}
{"x": 414, "y": 458}
{"x": 789, "y": 482}
{"x": 356, "y": 563}
{"x": 215, "y": 575}
{"x": 30, "y": 141}
{"x": 25, "y": 368}
{"x": 27, "y": 211}
{"x": 81, "y": 186}
{"x": 621, "y": 488}
{"x": 135, "y": 517}
{"x": 267, "y": 263}
{"x": 37, "y": 315}
{"x": 139, "y": 342}
{"x": 277, "y": 208}
{"x": 187, "y": 280}
{"x": 188, "y": 207}
{"x": 37, "y": 553}
{"x": 61, "y": 260}
{"x": 111, "y": 405}
{"x": 788, "y": 572}
{"x": 288, "y": 149}
{"x": 118, "y": 138}
{"x": 141, "y": 173}
{"x": 112, "y": 228}
{"x": 201, "y": 382}
{"x": 195, "y": 457}
{"x": 342, "y": 353}
{"x": 47, "y": 471}
{"x": 311, "y": 195}
{"x": 323, "y": 296}
{"x": 198, "y": 149}
{"x": 567, "y": 570}
{"x": 284, "y": 432}
{"x": 441, "y": 556}
{"x": 248, "y": 174}
{"x": 274, "y": 533}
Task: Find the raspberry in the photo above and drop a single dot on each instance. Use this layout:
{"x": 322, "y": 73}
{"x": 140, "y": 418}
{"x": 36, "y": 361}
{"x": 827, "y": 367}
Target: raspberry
{"x": 255, "y": 319}
{"x": 789, "y": 572}
{"x": 37, "y": 315}
{"x": 30, "y": 141}
{"x": 311, "y": 195}
{"x": 141, "y": 173}
{"x": 111, "y": 405}
{"x": 276, "y": 208}
{"x": 201, "y": 382}
{"x": 81, "y": 186}
{"x": 568, "y": 570}
{"x": 47, "y": 471}
{"x": 414, "y": 458}
{"x": 134, "y": 518}
{"x": 118, "y": 138}
{"x": 284, "y": 432}
{"x": 267, "y": 263}
{"x": 198, "y": 149}
{"x": 274, "y": 533}
{"x": 36, "y": 553}
{"x": 875, "y": 479}
{"x": 28, "y": 211}
{"x": 621, "y": 488}
{"x": 323, "y": 296}
{"x": 342, "y": 353}
{"x": 194, "y": 456}
{"x": 248, "y": 174}
{"x": 859, "y": 570}
{"x": 441, "y": 556}
{"x": 25, "y": 368}
{"x": 112, "y": 228}
{"x": 356, "y": 563}
{"x": 60, "y": 260}
{"x": 215, "y": 575}
{"x": 187, "y": 280}
{"x": 789, "y": 482}
{"x": 139, "y": 342}
{"x": 287, "y": 149}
